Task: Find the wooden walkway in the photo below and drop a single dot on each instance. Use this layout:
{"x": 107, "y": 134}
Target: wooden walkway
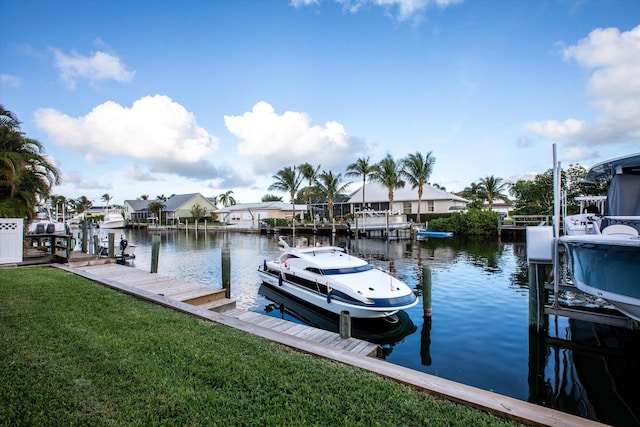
{"x": 305, "y": 332}
{"x": 141, "y": 283}
{"x": 203, "y": 296}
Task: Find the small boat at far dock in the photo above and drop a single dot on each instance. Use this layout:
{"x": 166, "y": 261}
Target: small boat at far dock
{"x": 113, "y": 219}
{"x": 436, "y": 234}
{"x": 330, "y": 279}
{"x": 604, "y": 260}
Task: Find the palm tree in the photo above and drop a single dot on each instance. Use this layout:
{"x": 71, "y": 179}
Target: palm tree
{"x": 329, "y": 185}
{"x": 309, "y": 173}
{"x": 144, "y": 197}
{"x": 288, "y": 180}
{"x": 417, "y": 169}
{"x": 82, "y": 204}
{"x": 226, "y": 198}
{"x": 363, "y": 168}
{"x": 492, "y": 188}
{"x": 106, "y": 197}
{"x": 26, "y": 175}
{"x": 387, "y": 173}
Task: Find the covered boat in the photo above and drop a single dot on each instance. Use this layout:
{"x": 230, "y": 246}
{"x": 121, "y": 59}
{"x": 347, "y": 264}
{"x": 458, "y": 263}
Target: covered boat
{"x": 329, "y": 278}
{"x": 605, "y": 260}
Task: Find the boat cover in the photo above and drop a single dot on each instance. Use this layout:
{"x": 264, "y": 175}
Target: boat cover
{"x": 623, "y": 198}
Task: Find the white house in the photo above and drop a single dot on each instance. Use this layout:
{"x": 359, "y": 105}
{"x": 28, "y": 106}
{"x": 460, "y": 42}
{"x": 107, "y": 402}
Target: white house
{"x": 405, "y": 200}
{"x": 250, "y": 214}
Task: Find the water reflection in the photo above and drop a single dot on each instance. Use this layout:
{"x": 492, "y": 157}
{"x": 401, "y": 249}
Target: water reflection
{"x": 587, "y": 369}
{"x": 387, "y": 332}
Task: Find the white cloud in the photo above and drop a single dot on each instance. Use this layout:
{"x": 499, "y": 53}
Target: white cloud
{"x": 613, "y": 58}
{"x": 555, "y": 129}
{"x": 275, "y": 141}
{"x": 301, "y": 3}
{"x": 406, "y": 9}
{"x": 11, "y": 81}
{"x": 154, "y": 128}
{"x": 99, "y": 66}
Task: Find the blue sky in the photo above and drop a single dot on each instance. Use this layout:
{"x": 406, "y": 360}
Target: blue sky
{"x": 169, "y": 97}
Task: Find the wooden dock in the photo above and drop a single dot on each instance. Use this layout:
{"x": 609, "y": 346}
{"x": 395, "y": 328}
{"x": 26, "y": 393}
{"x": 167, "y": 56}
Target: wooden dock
{"x": 305, "y": 332}
{"x": 165, "y": 289}
{"x": 199, "y": 295}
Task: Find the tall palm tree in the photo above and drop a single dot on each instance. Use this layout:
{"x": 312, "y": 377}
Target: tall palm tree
{"x": 226, "y": 198}
{"x": 417, "y": 168}
{"x": 309, "y": 173}
{"x": 106, "y": 197}
{"x": 387, "y": 173}
{"x": 26, "y": 175}
{"x": 363, "y": 168}
{"x": 330, "y": 186}
{"x": 492, "y": 188}
{"x": 288, "y": 180}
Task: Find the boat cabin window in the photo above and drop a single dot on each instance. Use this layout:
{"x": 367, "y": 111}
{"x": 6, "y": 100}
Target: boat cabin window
{"x": 314, "y": 270}
{"x": 346, "y": 270}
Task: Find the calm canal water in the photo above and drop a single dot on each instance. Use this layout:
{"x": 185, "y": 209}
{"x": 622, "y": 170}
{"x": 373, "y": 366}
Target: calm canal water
{"x": 478, "y": 334}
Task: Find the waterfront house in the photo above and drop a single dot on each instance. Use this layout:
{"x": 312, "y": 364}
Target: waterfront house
{"x": 136, "y": 209}
{"x": 180, "y": 206}
{"x": 405, "y": 200}
{"x": 250, "y": 214}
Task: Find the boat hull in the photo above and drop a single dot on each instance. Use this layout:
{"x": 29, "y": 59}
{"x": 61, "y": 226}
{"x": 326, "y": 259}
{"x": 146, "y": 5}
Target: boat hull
{"x": 329, "y": 304}
{"x": 436, "y": 234}
{"x": 607, "y": 267}
{"x": 113, "y": 224}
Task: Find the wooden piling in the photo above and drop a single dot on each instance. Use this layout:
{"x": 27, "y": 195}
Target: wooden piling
{"x": 155, "y": 253}
{"x": 426, "y": 290}
{"x": 85, "y": 234}
{"x": 112, "y": 239}
{"x": 345, "y": 324}
{"x": 226, "y": 269}
{"x": 537, "y": 297}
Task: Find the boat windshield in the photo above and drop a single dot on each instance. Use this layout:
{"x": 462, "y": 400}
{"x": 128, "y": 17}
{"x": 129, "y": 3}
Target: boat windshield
{"x": 346, "y": 270}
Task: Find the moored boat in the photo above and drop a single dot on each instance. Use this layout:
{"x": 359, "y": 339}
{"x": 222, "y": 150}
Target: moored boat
{"x": 113, "y": 219}
{"x": 436, "y": 234}
{"x": 330, "y": 279}
{"x": 605, "y": 260}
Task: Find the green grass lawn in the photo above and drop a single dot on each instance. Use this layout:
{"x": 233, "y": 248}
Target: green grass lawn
{"x": 75, "y": 353}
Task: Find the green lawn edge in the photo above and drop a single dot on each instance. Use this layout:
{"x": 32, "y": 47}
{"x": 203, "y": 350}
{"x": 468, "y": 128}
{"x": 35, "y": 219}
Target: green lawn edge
{"x": 75, "y": 353}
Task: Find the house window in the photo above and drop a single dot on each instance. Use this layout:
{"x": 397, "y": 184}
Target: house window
{"x": 430, "y": 207}
{"x": 406, "y": 207}
{"x": 235, "y": 216}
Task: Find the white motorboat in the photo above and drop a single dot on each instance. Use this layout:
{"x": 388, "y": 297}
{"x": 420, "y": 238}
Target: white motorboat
{"x": 44, "y": 223}
{"x": 606, "y": 261}
{"x": 369, "y": 220}
{"x": 113, "y": 219}
{"x": 330, "y": 279}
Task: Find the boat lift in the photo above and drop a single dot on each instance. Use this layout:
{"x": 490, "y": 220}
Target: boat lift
{"x": 543, "y": 256}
